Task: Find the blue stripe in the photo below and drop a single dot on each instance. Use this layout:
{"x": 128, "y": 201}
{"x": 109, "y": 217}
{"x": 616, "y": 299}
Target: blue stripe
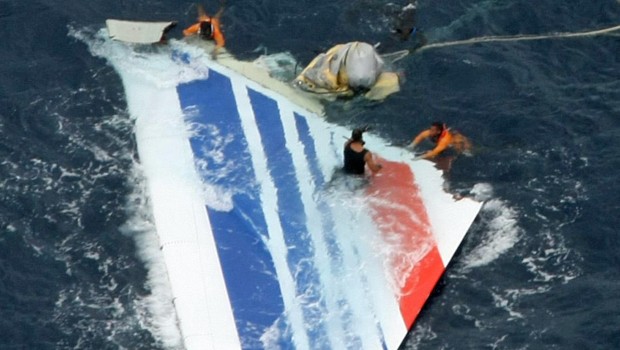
{"x": 303, "y": 130}
{"x": 300, "y": 255}
{"x": 306, "y": 139}
{"x": 331, "y": 239}
{"x": 240, "y": 234}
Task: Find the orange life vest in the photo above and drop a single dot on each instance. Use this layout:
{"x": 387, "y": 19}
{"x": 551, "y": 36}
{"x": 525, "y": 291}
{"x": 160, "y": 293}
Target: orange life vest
{"x": 208, "y": 28}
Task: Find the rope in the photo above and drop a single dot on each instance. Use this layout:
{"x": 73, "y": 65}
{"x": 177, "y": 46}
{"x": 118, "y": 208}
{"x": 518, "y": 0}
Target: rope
{"x": 488, "y": 39}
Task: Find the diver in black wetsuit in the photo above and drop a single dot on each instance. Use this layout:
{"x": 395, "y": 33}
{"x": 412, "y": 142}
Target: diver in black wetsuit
{"x": 356, "y": 157}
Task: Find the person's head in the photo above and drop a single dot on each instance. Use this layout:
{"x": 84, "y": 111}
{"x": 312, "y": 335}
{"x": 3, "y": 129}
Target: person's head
{"x": 206, "y": 31}
{"x": 437, "y": 128}
{"x": 356, "y": 135}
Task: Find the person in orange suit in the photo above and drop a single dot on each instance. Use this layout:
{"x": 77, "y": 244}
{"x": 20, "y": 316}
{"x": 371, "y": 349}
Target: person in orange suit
{"x": 208, "y": 28}
{"x": 443, "y": 138}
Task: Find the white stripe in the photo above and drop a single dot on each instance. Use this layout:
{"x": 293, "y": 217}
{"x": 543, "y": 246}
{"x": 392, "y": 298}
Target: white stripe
{"x": 324, "y": 135}
{"x": 314, "y": 224}
{"x": 381, "y": 297}
{"x": 200, "y": 297}
{"x": 383, "y": 301}
{"x": 354, "y": 275}
{"x": 276, "y": 244}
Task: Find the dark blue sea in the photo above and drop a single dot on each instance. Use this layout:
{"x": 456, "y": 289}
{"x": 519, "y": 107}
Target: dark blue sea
{"x": 539, "y": 269}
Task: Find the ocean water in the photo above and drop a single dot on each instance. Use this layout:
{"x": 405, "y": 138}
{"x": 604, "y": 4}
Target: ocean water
{"x": 79, "y": 263}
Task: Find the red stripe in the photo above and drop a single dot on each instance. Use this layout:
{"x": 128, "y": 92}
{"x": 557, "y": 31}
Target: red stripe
{"x": 399, "y": 211}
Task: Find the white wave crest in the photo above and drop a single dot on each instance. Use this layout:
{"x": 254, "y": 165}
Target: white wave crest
{"x": 500, "y": 230}
{"x": 161, "y": 320}
{"x": 281, "y": 66}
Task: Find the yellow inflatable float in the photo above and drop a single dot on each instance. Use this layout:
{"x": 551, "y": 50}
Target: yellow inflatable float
{"x": 349, "y": 68}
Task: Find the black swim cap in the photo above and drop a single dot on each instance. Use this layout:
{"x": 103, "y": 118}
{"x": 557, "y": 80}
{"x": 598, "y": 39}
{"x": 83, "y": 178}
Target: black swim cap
{"x": 206, "y": 31}
{"x": 356, "y": 135}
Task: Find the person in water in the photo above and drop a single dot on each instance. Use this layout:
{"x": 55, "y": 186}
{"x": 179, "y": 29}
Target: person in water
{"x": 443, "y": 139}
{"x": 356, "y": 157}
{"x": 448, "y": 144}
{"x": 208, "y": 28}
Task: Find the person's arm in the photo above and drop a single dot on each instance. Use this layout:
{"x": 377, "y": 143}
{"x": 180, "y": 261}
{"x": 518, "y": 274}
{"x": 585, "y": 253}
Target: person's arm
{"x": 217, "y": 33}
{"x": 219, "y": 13}
{"x": 192, "y": 29}
{"x": 370, "y": 161}
{"x": 461, "y": 143}
{"x": 421, "y": 137}
{"x": 443, "y": 143}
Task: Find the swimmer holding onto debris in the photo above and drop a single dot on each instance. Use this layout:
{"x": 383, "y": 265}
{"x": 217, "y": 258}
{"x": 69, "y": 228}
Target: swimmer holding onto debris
{"x": 208, "y": 28}
{"x": 356, "y": 157}
{"x": 443, "y": 138}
